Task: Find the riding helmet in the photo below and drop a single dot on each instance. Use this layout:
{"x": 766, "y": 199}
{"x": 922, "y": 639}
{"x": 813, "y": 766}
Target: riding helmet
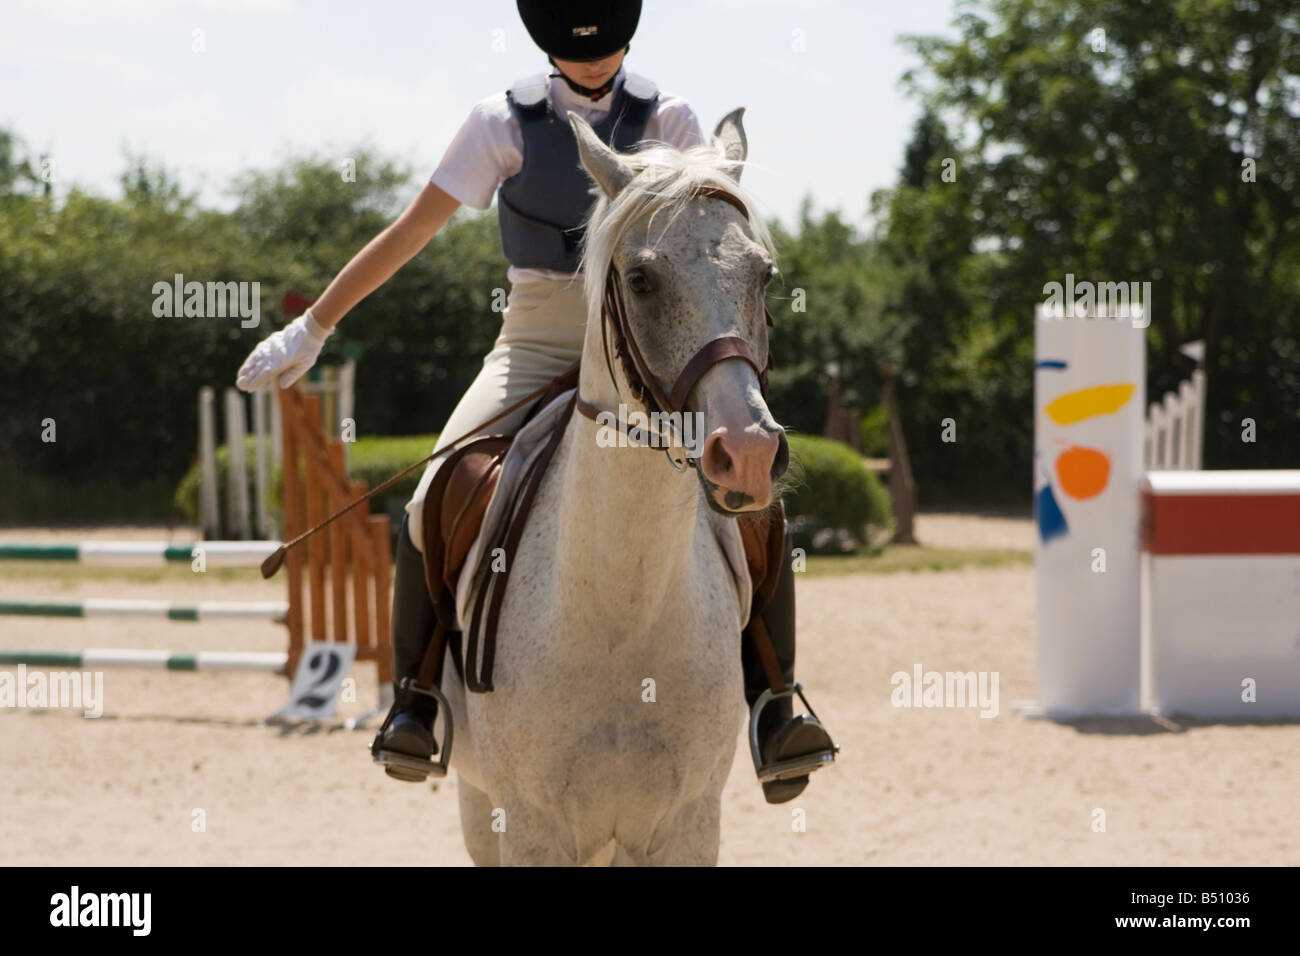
{"x": 582, "y": 29}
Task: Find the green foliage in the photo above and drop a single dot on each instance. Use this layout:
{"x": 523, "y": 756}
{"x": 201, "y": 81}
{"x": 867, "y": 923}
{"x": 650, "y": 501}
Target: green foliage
{"x": 874, "y": 432}
{"x": 832, "y": 313}
{"x": 831, "y": 488}
{"x": 372, "y": 460}
{"x": 375, "y": 460}
{"x": 1122, "y": 164}
{"x": 185, "y": 498}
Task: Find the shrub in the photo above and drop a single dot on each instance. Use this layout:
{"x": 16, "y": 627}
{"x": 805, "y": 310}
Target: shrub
{"x": 834, "y": 502}
{"x": 372, "y": 460}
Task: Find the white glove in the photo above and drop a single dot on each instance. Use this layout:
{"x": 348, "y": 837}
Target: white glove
{"x": 287, "y": 353}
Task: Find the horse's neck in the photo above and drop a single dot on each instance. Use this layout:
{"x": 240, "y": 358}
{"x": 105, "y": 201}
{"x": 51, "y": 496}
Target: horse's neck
{"x": 628, "y": 523}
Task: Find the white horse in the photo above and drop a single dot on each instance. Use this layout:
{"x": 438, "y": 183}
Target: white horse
{"x": 619, "y": 578}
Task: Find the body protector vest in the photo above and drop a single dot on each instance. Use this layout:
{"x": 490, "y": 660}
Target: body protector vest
{"x": 542, "y": 207}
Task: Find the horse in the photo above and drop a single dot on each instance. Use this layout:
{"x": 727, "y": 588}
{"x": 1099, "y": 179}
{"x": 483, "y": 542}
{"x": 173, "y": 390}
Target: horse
{"x": 618, "y": 693}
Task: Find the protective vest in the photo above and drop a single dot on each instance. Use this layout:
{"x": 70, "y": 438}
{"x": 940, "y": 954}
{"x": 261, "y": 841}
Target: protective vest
{"x": 542, "y": 207}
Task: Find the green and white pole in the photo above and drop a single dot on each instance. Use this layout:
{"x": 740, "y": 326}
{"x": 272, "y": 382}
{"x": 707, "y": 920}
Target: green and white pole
{"x": 128, "y": 607}
{"x": 105, "y": 659}
{"x": 228, "y": 554}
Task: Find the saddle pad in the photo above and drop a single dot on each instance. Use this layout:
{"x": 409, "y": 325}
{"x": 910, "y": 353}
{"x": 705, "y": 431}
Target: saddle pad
{"x": 528, "y": 444}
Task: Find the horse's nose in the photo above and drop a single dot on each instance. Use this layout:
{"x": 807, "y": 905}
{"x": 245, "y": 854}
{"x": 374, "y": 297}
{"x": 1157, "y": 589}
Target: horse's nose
{"x": 743, "y": 463}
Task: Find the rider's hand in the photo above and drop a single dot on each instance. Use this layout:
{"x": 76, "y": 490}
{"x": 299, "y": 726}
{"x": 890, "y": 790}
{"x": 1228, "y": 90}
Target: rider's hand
{"x": 288, "y": 354}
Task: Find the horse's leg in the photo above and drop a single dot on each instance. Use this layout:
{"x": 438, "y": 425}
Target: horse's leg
{"x": 689, "y": 838}
{"x": 481, "y": 841}
{"x": 534, "y": 836}
{"x": 621, "y": 857}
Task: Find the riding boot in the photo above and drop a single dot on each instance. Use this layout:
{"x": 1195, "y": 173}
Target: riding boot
{"x": 410, "y": 731}
{"x": 782, "y": 736}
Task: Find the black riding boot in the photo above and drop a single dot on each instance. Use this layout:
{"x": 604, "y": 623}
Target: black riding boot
{"x": 783, "y": 738}
{"x": 410, "y": 731}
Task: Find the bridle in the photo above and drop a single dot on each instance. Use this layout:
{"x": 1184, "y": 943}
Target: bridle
{"x": 641, "y": 379}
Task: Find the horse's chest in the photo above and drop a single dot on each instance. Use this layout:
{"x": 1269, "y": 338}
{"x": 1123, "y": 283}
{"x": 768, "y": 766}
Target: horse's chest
{"x": 601, "y": 695}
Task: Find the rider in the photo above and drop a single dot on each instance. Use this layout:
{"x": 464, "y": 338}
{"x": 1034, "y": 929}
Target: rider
{"x": 519, "y": 145}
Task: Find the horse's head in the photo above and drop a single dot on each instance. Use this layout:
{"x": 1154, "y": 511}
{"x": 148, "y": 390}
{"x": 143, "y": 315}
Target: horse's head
{"x": 677, "y": 264}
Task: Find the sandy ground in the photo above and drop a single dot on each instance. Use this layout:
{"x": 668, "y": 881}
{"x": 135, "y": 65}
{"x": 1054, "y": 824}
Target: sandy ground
{"x": 912, "y": 786}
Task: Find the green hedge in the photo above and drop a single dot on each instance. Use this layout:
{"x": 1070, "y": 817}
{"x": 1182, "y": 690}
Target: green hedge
{"x": 834, "y": 502}
{"x": 829, "y": 489}
{"x": 372, "y": 460}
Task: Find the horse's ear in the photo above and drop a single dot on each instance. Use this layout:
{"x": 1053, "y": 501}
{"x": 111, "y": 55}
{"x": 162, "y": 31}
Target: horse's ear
{"x": 610, "y": 171}
{"x": 729, "y": 138}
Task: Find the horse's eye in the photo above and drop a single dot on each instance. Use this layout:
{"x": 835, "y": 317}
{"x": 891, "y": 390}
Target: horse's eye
{"x": 769, "y": 274}
{"x": 638, "y": 282}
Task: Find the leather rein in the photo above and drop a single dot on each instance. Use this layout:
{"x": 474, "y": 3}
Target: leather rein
{"x": 640, "y": 378}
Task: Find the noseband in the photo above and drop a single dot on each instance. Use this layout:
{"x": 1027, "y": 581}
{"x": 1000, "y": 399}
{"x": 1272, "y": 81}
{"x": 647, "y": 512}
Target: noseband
{"x": 613, "y": 321}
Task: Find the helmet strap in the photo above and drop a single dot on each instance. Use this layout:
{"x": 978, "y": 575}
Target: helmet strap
{"x": 592, "y": 93}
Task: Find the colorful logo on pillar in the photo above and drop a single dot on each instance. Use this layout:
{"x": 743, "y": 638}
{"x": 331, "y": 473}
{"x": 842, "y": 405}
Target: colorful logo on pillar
{"x": 1081, "y": 472}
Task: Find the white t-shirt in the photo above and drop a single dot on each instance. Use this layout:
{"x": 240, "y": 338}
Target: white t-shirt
{"x": 489, "y": 148}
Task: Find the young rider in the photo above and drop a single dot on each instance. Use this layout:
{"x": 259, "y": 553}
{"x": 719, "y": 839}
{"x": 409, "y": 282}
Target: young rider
{"x": 519, "y": 146}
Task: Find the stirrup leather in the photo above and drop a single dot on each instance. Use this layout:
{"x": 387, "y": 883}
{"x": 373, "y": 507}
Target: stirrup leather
{"x": 421, "y": 765}
{"x": 795, "y": 766}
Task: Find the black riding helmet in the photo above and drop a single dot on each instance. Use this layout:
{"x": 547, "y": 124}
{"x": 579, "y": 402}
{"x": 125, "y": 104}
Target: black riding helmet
{"x": 580, "y": 30}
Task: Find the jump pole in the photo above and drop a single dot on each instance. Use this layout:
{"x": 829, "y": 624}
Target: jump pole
{"x": 104, "y": 659}
{"x": 127, "y": 607}
{"x": 222, "y": 554}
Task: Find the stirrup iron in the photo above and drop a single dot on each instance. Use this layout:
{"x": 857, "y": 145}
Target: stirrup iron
{"x": 423, "y": 766}
{"x": 795, "y": 766}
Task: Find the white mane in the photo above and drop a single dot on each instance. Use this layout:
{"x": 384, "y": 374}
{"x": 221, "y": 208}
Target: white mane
{"x": 666, "y": 180}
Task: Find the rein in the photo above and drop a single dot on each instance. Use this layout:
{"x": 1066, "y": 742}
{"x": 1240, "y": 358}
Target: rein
{"x": 641, "y": 378}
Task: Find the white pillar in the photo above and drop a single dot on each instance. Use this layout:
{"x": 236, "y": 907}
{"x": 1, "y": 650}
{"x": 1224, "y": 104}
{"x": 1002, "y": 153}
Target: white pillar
{"x": 1089, "y": 404}
{"x": 237, "y": 466}
{"x": 209, "y": 517}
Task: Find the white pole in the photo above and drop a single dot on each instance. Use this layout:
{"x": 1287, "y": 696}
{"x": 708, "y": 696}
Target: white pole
{"x": 260, "y": 399}
{"x": 237, "y": 472}
{"x": 1198, "y": 428}
{"x": 1089, "y": 398}
{"x": 1173, "y": 425}
{"x": 209, "y": 516}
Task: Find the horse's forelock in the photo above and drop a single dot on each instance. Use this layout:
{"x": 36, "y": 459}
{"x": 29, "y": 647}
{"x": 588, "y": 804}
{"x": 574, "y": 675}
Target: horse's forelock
{"x": 665, "y": 180}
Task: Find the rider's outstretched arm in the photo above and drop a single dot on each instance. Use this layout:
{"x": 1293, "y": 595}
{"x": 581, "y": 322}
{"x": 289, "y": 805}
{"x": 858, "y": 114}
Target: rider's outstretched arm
{"x": 287, "y": 354}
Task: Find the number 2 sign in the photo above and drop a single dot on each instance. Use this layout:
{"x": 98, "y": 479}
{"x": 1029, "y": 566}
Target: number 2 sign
{"x": 315, "y": 689}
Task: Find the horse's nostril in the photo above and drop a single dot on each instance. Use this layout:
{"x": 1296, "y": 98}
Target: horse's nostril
{"x": 716, "y": 458}
{"x": 782, "y": 460}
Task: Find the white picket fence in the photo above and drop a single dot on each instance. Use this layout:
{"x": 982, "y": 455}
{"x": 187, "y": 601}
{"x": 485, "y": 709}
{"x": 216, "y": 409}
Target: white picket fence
{"x": 245, "y": 519}
{"x": 1175, "y": 426}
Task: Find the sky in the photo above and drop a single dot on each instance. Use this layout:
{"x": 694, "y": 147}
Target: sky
{"x": 825, "y": 115}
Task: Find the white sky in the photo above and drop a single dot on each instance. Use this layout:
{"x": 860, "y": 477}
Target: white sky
{"x": 86, "y": 79}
